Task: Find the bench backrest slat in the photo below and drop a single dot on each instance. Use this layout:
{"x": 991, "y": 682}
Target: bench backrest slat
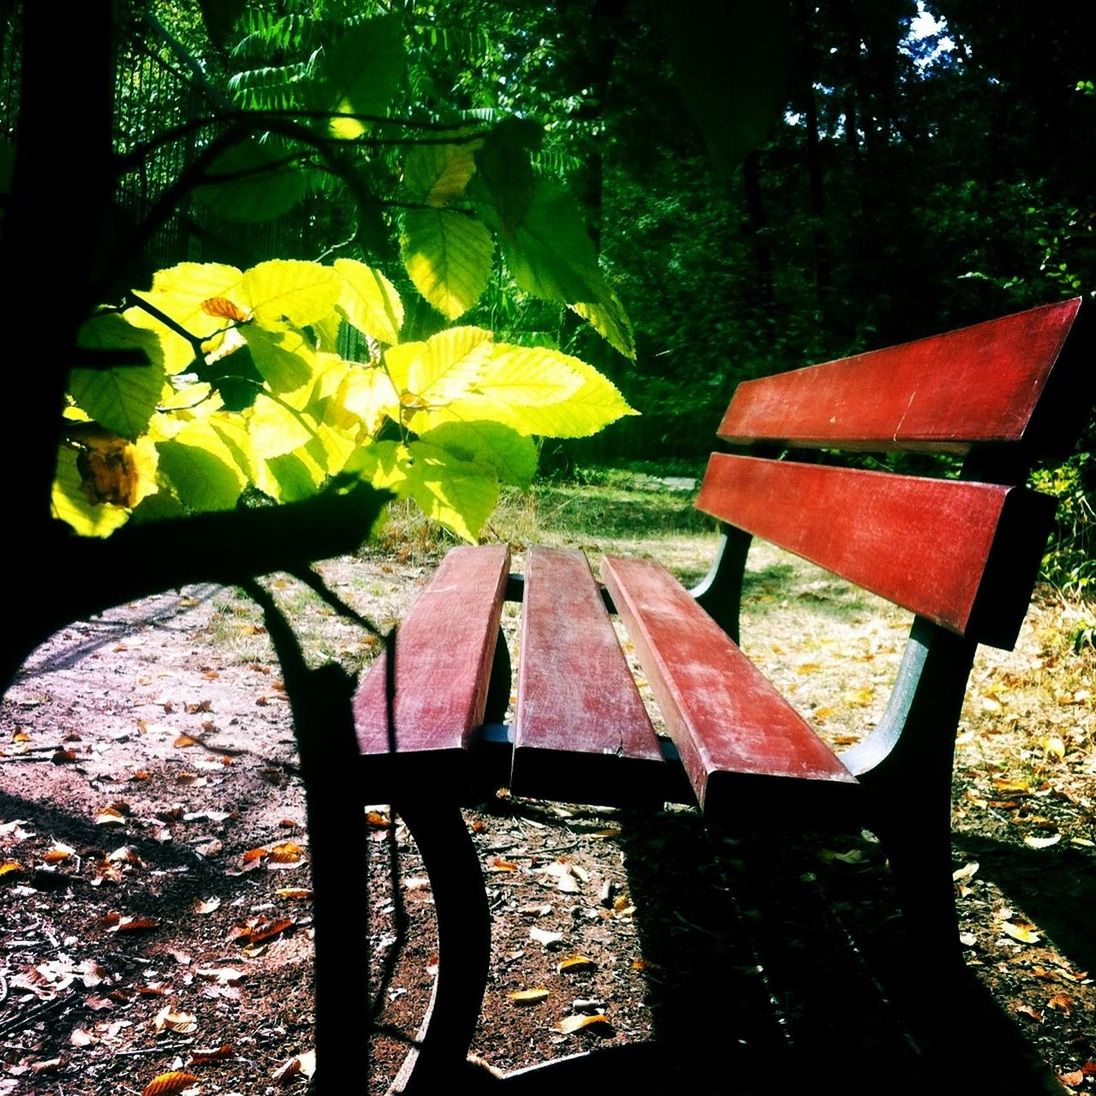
{"x": 962, "y": 554}
{"x": 976, "y": 385}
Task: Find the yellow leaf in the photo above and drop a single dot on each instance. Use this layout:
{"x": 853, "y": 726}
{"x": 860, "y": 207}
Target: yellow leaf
{"x": 167, "y": 1083}
{"x": 287, "y": 852}
{"x": 9, "y": 866}
{"x": 597, "y": 1024}
{"x": 1024, "y": 933}
{"x": 293, "y": 892}
{"x": 576, "y": 964}
{"x": 369, "y": 301}
{"x": 529, "y": 996}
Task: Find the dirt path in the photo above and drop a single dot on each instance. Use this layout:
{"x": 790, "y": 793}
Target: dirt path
{"x": 154, "y": 882}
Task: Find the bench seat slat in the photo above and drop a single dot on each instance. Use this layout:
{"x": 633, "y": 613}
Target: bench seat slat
{"x": 581, "y": 731}
{"x": 723, "y": 715}
{"x": 444, "y": 652}
{"x": 976, "y": 385}
{"x": 961, "y": 554}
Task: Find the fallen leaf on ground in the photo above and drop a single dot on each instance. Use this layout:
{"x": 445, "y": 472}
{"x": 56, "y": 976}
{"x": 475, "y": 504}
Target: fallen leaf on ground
{"x": 303, "y": 1065}
{"x": 598, "y": 1024}
{"x": 1024, "y": 933}
{"x": 167, "y": 1083}
{"x": 169, "y": 1019}
{"x": 81, "y": 1037}
{"x": 546, "y": 938}
{"x": 1042, "y": 842}
{"x": 134, "y": 924}
{"x": 207, "y": 906}
{"x": 1062, "y": 1002}
{"x": 287, "y": 852}
{"x": 575, "y": 964}
{"x": 529, "y": 996}
{"x": 202, "y": 1057}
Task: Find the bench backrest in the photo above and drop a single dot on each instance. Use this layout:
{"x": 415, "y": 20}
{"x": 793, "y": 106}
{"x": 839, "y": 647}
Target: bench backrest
{"x": 961, "y": 553}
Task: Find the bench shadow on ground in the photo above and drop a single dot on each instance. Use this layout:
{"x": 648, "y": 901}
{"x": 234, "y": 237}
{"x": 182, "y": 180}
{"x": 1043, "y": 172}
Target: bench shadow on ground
{"x": 774, "y": 973}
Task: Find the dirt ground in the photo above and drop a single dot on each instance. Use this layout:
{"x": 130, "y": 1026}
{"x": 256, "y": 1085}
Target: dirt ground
{"x": 154, "y": 880}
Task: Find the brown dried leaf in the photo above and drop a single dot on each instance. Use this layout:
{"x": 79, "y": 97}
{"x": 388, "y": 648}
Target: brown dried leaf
{"x": 58, "y": 853}
{"x": 255, "y": 854}
{"x": 168, "y": 1019}
{"x": 223, "y": 308}
{"x": 1062, "y": 1002}
{"x": 1030, "y": 1013}
{"x": 1073, "y": 1079}
{"x": 110, "y": 816}
{"x": 167, "y": 1083}
{"x": 378, "y": 820}
{"x": 81, "y": 1037}
{"x": 203, "y": 1057}
{"x": 497, "y": 863}
{"x": 529, "y": 996}
{"x": 185, "y": 740}
{"x": 303, "y": 1065}
{"x": 135, "y": 924}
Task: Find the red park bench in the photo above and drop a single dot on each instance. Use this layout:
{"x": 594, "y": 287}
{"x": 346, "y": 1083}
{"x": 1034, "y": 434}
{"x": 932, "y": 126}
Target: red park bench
{"x": 961, "y": 554}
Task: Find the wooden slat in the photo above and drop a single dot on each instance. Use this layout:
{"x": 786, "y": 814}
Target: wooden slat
{"x": 581, "y": 732}
{"x": 974, "y": 385}
{"x": 444, "y": 651}
{"x": 924, "y": 544}
{"x": 725, "y": 718}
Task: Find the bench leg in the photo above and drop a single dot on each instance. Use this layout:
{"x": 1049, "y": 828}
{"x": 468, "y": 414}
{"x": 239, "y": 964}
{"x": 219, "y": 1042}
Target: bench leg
{"x": 464, "y": 946}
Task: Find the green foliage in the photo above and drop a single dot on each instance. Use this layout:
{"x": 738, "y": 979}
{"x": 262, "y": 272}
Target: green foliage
{"x": 252, "y": 399}
{"x": 1070, "y": 561}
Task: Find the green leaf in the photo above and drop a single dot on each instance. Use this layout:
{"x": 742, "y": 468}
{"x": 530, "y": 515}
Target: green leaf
{"x": 506, "y": 180}
{"x": 384, "y": 464}
{"x": 534, "y": 390}
{"x": 284, "y": 358}
{"x": 122, "y": 399}
{"x": 182, "y": 292}
{"x": 201, "y": 468}
{"x": 369, "y": 301}
{"x": 275, "y": 430}
{"x": 291, "y": 291}
{"x": 435, "y": 372}
{"x": 511, "y": 456}
{"x": 436, "y": 175}
{"x": 253, "y": 182}
{"x": 611, "y": 322}
{"x": 453, "y": 492}
{"x": 73, "y": 507}
{"x": 731, "y": 63}
{"x": 361, "y": 72}
{"x": 548, "y": 252}
{"x": 448, "y": 257}
{"x": 292, "y": 477}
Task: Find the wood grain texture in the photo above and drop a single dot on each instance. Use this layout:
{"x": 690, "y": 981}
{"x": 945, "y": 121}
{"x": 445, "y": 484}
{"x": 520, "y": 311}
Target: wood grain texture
{"x": 975, "y": 385}
{"x": 581, "y": 731}
{"x": 723, "y": 715}
{"x": 444, "y": 650}
{"x": 923, "y": 544}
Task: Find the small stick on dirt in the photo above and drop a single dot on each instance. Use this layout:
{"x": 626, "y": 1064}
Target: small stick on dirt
{"x": 17, "y": 1022}
{"x": 163, "y": 1048}
{"x": 3, "y": 988}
